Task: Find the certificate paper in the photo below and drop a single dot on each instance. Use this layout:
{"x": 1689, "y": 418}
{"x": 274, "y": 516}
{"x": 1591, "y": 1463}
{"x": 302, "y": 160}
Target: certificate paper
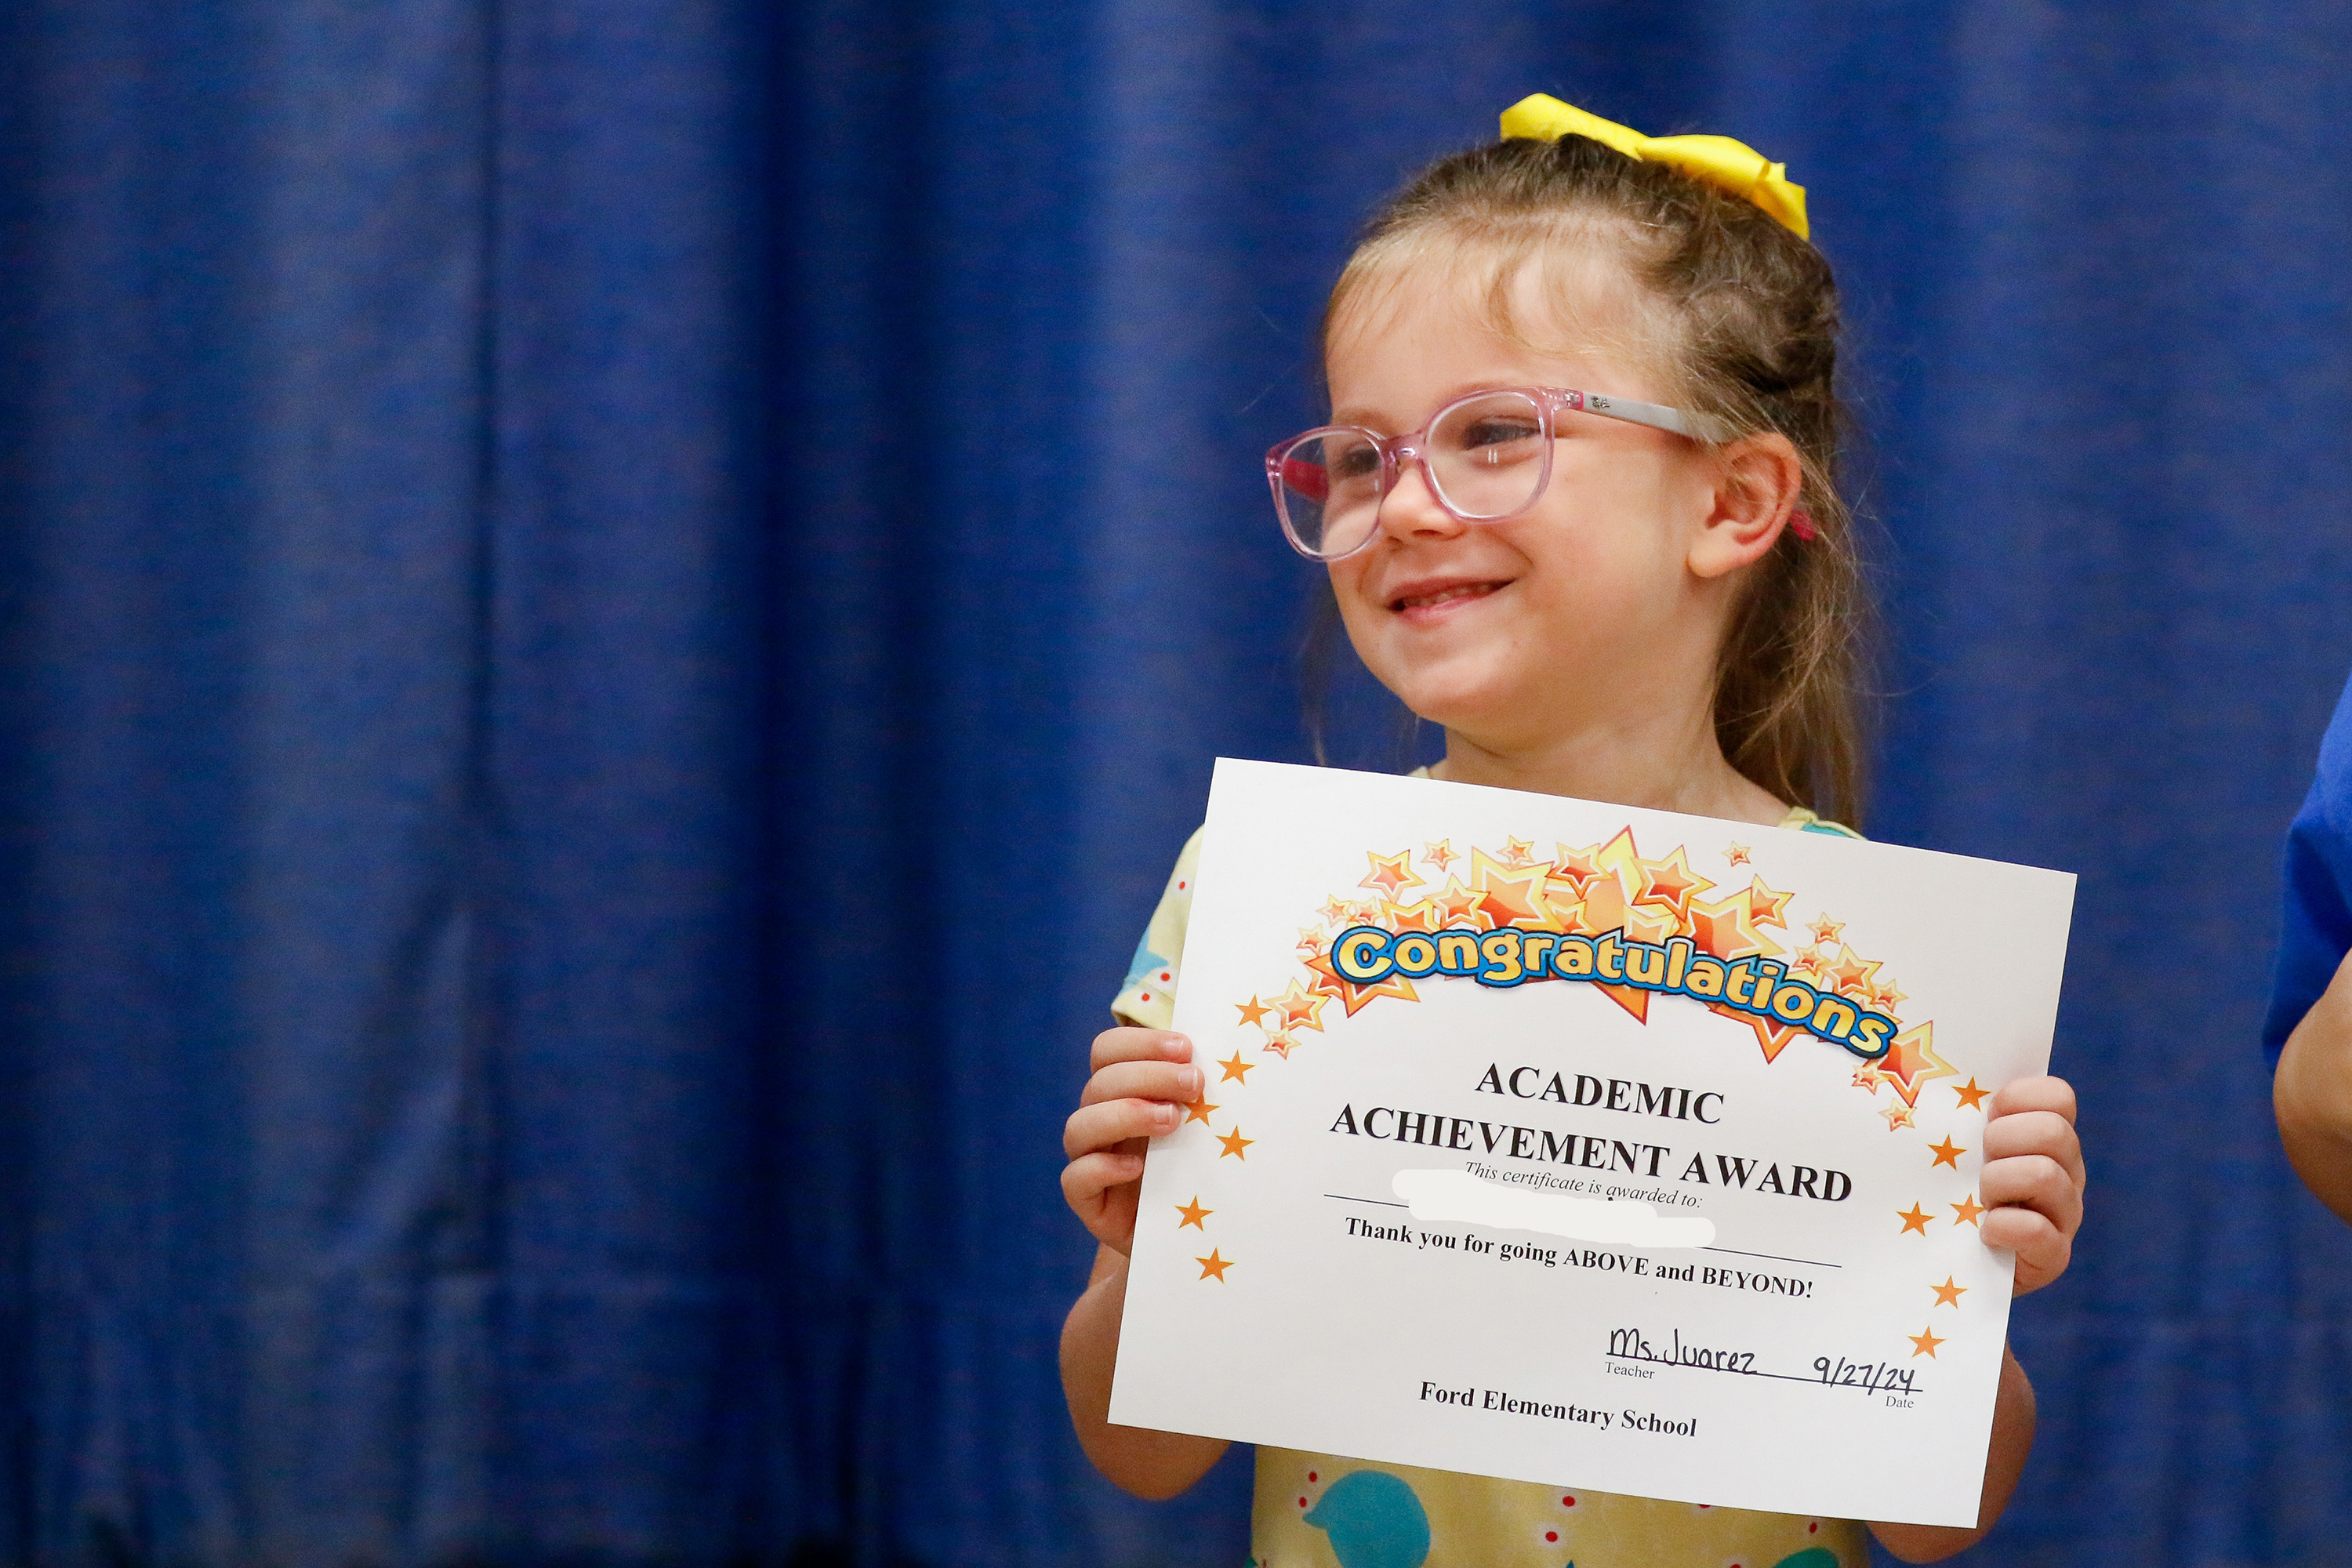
{"x": 1587, "y": 1145}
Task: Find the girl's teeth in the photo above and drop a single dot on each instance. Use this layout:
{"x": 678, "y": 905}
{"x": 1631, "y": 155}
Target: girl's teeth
{"x": 1450, "y": 594}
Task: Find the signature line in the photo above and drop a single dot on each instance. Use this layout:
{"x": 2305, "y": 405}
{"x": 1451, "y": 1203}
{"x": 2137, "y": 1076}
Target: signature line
{"x": 1808, "y": 1262}
{"x": 1377, "y": 1203}
{"x": 1783, "y": 1376}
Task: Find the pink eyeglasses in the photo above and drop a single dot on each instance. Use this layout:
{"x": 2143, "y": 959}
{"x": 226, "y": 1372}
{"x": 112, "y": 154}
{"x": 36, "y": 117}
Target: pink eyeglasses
{"x": 1486, "y": 457}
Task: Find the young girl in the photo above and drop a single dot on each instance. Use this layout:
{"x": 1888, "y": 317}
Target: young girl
{"x": 1663, "y": 615}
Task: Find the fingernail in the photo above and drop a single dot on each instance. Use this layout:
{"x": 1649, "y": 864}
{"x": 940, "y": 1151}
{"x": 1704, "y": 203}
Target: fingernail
{"x": 1189, "y": 1078}
{"x": 1164, "y": 1115}
{"x": 1182, "y": 1044}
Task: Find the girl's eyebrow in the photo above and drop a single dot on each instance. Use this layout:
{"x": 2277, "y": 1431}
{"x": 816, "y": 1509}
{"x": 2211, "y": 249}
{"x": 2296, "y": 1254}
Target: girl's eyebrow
{"x": 1365, "y": 416}
{"x": 1368, "y": 419}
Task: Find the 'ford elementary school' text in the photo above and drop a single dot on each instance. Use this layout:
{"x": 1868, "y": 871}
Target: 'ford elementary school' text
{"x": 1509, "y": 1404}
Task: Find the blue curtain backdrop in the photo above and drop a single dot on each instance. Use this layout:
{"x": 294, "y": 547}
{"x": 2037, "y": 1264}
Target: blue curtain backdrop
{"x": 614, "y": 611}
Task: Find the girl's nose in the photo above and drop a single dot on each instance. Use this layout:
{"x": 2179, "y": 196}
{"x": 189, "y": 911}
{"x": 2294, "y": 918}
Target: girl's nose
{"x": 1409, "y": 510}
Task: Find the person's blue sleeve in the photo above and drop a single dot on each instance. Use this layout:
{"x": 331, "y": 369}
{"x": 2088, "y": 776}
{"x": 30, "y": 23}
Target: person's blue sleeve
{"x": 2317, "y": 930}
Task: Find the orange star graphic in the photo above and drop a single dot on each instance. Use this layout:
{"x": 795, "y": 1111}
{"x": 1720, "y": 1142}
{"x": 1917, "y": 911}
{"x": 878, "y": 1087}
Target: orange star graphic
{"x": 1898, "y": 1116}
{"x": 1867, "y": 1078}
{"x": 1515, "y": 852}
{"x": 1301, "y": 1008}
{"x": 1670, "y": 882}
{"x": 1392, "y": 874}
{"x": 1946, "y": 1152}
{"x": 1577, "y": 868}
{"x": 1193, "y": 1214}
{"x": 1213, "y": 1266}
{"x": 1252, "y": 1010}
{"x": 1457, "y": 902}
{"x": 1727, "y": 928}
{"x": 1333, "y": 911}
{"x": 1440, "y": 854}
{"x": 1971, "y": 1096}
{"x": 1735, "y": 855}
{"x": 1827, "y": 929}
{"x": 1507, "y": 895}
{"x": 1807, "y": 961}
{"x": 1234, "y": 1143}
{"x": 1926, "y": 1342}
{"x": 1281, "y": 1043}
{"x": 1237, "y": 1070}
{"x": 1888, "y": 997}
{"x": 1764, "y": 905}
{"x": 1965, "y": 1212}
{"x": 1851, "y": 971}
{"x": 1914, "y": 1218}
{"x": 1911, "y": 1060}
{"x": 1199, "y": 1110}
{"x": 1948, "y": 1294}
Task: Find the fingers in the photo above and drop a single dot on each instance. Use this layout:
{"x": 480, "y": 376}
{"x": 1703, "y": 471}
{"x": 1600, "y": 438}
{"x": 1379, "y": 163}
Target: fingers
{"x": 2033, "y": 1158}
{"x": 2024, "y": 1232}
{"x": 1086, "y": 1178}
{"x": 1143, "y": 1081}
{"x": 1128, "y": 1044}
{"x": 1114, "y": 1121}
{"x": 2052, "y": 1094}
{"x": 1139, "y": 1081}
{"x": 2035, "y": 1133}
{"x": 2042, "y": 1251}
{"x": 2033, "y": 1178}
{"x": 1141, "y": 1078}
{"x": 2036, "y": 1183}
{"x": 1101, "y": 1191}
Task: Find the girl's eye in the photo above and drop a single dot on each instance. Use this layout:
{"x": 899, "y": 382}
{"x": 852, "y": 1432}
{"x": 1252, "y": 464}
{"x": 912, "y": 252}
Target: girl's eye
{"x": 1497, "y": 432}
{"x": 1356, "y": 463}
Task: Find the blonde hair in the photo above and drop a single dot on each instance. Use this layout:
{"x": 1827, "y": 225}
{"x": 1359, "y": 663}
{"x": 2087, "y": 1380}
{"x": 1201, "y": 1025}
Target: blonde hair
{"x": 1747, "y": 332}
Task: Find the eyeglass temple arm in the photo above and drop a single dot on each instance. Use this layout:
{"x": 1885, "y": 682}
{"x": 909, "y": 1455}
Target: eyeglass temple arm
{"x": 1697, "y": 426}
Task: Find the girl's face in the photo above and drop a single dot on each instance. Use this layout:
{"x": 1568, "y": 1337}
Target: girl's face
{"x": 1601, "y": 605}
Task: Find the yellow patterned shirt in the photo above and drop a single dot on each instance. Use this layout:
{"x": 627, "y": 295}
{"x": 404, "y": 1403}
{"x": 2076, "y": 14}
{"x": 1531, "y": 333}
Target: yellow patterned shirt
{"x": 1327, "y": 1511}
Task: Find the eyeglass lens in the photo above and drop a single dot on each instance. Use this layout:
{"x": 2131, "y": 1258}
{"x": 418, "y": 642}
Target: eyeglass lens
{"x": 1484, "y": 457}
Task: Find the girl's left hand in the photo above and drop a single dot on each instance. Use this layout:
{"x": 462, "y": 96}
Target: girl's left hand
{"x": 2033, "y": 1180}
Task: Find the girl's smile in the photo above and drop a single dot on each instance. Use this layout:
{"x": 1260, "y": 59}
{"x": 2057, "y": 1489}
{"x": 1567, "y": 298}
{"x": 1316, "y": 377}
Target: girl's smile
{"x": 1428, "y": 600}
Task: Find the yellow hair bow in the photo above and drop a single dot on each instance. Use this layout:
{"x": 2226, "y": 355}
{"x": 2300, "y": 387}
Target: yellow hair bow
{"x": 1728, "y": 165}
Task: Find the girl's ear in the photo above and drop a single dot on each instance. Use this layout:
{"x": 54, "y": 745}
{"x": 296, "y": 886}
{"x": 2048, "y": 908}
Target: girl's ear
{"x": 1758, "y": 478}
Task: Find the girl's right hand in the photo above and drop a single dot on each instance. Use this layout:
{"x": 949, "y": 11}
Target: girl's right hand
{"x": 1142, "y": 1081}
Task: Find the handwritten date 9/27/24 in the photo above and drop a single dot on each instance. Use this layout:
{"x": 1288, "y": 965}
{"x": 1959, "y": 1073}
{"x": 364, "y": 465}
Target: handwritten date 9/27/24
{"x": 1869, "y": 1376}
{"x": 1633, "y": 1345}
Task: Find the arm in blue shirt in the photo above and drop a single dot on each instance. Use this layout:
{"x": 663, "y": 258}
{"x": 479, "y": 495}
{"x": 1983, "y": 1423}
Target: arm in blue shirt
{"x": 2309, "y": 1031}
{"x": 2317, "y": 928}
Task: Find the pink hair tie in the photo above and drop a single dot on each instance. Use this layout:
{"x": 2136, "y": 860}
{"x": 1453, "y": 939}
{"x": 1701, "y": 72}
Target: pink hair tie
{"x": 1801, "y": 523}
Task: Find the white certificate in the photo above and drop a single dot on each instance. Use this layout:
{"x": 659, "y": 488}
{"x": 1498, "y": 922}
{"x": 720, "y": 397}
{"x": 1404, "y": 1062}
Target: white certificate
{"x": 1587, "y": 1145}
